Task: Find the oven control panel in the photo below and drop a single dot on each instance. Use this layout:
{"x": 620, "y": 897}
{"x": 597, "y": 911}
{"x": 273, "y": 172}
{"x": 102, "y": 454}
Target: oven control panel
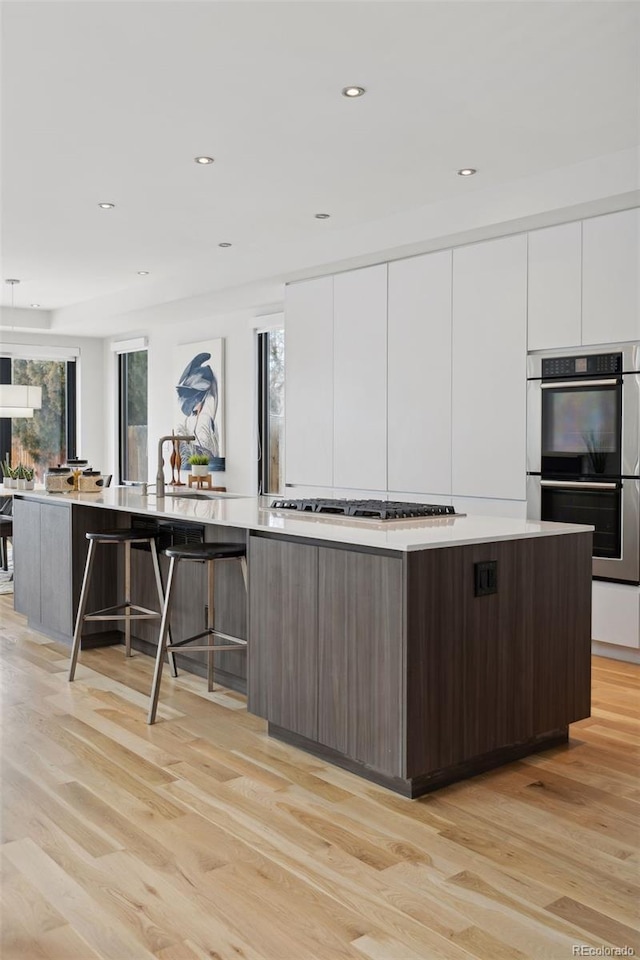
{"x": 592, "y": 365}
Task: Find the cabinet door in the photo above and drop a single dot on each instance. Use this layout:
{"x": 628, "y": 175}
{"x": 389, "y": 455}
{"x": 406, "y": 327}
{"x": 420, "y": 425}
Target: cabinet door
{"x": 610, "y": 272}
{"x": 282, "y": 667}
{"x": 360, "y": 378}
{"x": 616, "y": 614}
{"x": 361, "y": 656}
{"x": 26, "y": 558}
{"x": 55, "y": 568}
{"x": 309, "y": 379}
{"x": 489, "y": 369}
{"x": 419, "y": 370}
{"x": 554, "y": 293}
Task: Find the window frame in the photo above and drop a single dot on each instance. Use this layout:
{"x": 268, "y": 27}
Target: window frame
{"x": 71, "y": 404}
{"x": 122, "y": 359}
{"x": 264, "y": 439}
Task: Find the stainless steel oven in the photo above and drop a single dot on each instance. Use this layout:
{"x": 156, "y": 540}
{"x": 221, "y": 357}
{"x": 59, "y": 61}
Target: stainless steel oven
{"x": 583, "y": 449}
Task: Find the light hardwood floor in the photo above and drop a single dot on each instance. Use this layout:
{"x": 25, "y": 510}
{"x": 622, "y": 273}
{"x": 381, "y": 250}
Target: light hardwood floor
{"x": 201, "y": 838}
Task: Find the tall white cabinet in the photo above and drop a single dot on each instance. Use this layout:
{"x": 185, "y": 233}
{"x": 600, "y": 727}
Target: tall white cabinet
{"x": 611, "y": 278}
{"x": 489, "y": 369}
{"x": 360, "y": 378}
{"x": 309, "y": 382}
{"x": 554, "y": 288}
{"x": 419, "y": 372}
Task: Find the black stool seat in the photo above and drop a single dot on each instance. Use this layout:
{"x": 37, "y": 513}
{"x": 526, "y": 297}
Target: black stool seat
{"x": 206, "y": 551}
{"x": 118, "y": 536}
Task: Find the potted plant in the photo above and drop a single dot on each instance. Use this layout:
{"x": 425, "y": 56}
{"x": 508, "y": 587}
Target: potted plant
{"x": 29, "y": 478}
{"x": 7, "y": 474}
{"x": 199, "y": 463}
{"x": 20, "y": 477}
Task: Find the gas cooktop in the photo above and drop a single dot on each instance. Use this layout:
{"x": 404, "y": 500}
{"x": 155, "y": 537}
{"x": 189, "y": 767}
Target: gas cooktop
{"x": 369, "y": 509}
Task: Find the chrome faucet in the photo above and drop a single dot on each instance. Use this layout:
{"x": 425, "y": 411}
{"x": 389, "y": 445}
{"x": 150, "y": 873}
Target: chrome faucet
{"x": 160, "y": 473}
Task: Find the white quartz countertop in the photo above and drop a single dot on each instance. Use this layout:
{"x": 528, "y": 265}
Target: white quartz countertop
{"x": 253, "y": 513}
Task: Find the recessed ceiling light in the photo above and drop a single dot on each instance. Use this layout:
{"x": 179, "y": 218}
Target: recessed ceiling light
{"x": 35, "y": 304}
{"x": 203, "y": 160}
{"x": 322, "y": 216}
{"x": 466, "y": 172}
{"x": 225, "y": 244}
{"x": 106, "y": 206}
{"x": 143, "y": 273}
{"x": 353, "y": 92}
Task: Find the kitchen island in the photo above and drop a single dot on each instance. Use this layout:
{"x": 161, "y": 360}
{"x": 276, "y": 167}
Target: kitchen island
{"x": 411, "y": 652}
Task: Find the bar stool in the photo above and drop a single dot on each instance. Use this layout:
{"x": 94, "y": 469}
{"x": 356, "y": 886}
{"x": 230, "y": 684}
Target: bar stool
{"x": 207, "y": 553}
{"x": 131, "y": 610}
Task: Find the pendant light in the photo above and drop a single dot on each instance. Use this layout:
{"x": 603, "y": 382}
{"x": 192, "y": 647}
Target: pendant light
{"x": 18, "y": 400}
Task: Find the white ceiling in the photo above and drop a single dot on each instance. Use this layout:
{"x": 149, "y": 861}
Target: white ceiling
{"x": 110, "y": 101}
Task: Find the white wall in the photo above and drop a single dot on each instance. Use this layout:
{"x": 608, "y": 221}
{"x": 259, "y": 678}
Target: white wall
{"x": 90, "y": 372}
{"x": 238, "y": 331}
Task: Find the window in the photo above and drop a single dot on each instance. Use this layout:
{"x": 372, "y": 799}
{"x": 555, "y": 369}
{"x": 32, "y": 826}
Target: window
{"x": 49, "y": 437}
{"x": 133, "y": 415}
{"x": 271, "y": 411}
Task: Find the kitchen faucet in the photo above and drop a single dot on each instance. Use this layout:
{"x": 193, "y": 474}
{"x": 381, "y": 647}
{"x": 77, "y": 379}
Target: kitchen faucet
{"x": 160, "y": 473}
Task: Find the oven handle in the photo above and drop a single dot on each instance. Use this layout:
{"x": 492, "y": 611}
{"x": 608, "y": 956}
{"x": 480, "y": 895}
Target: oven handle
{"x": 579, "y": 485}
{"x": 567, "y": 384}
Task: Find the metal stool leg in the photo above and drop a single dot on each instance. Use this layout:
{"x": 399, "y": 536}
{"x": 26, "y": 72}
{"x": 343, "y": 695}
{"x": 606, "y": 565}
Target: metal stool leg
{"x": 156, "y": 570}
{"x": 3, "y": 553}
{"x": 162, "y": 642}
{"x": 211, "y": 619}
{"x": 127, "y": 598}
{"x": 84, "y": 593}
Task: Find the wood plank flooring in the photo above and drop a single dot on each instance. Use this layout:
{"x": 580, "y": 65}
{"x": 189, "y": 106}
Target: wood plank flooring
{"x": 200, "y": 838}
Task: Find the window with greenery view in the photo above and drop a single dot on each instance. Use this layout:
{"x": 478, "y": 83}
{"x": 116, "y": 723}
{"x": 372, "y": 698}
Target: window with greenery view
{"x": 48, "y": 438}
{"x": 133, "y": 384}
{"x": 271, "y": 411}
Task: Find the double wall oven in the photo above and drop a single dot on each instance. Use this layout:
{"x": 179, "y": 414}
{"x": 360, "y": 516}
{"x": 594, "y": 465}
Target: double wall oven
{"x": 583, "y": 449}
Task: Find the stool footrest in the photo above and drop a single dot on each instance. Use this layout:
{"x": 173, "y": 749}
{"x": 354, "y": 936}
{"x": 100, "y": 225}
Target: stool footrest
{"x": 110, "y": 613}
{"x": 235, "y": 642}
{"x": 211, "y": 648}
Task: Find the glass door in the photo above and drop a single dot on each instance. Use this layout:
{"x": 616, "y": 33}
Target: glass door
{"x": 582, "y": 428}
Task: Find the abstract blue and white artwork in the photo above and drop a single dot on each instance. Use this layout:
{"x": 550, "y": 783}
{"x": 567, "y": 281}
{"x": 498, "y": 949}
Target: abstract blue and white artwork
{"x": 199, "y": 392}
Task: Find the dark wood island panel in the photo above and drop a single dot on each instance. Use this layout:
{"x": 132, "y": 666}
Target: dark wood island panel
{"x": 488, "y": 673}
{"x": 282, "y": 681}
{"x": 50, "y": 551}
{"x": 415, "y": 680}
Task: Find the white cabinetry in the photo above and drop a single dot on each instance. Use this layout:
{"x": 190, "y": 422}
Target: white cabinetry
{"x": 554, "y": 296}
{"x": 489, "y": 369}
{"x": 611, "y": 278}
{"x": 419, "y": 370}
{"x": 309, "y": 382}
{"x": 616, "y": 614}
{"x": 360, "y": 379}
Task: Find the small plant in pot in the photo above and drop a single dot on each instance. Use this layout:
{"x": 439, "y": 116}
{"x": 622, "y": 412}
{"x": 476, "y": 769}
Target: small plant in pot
{"x": 29, "y": 478}
{"x": 199, "y": 463}
{"x": 20, "y": 477}
{"x": 7, "y": 475}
